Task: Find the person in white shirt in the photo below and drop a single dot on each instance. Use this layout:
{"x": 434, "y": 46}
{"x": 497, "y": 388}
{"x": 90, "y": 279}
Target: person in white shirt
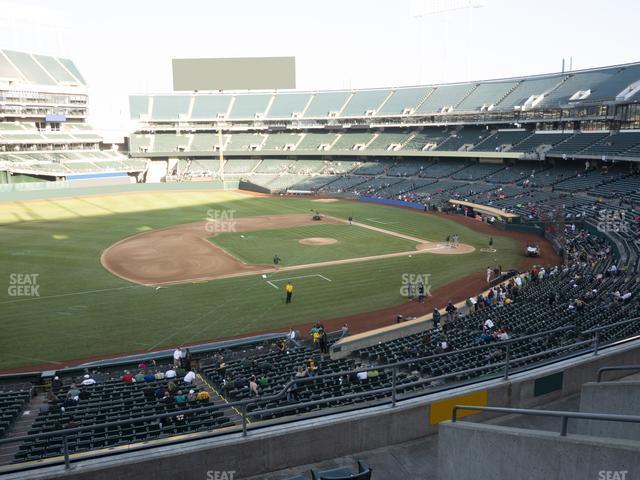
{"x": 171, "y": 373}
{"x": 489, "y": 272}
{"x": 88, "y": 380}
{"x": 189, "y": 377}
{"x": 488, "y": 324}
{"x": 362, "y": 375}
{"x": 177, "y": 355}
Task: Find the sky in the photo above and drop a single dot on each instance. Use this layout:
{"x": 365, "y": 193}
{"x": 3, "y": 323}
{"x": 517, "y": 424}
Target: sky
{"x": 125, "y": 47}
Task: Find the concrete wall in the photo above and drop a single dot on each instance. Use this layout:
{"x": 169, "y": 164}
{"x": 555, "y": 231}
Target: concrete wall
{"x": 470, "y": 451}
{"x": 620, "y": 398}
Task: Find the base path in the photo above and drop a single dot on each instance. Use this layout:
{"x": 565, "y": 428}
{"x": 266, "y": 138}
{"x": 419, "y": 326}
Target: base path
{"x": 184, "y": 254}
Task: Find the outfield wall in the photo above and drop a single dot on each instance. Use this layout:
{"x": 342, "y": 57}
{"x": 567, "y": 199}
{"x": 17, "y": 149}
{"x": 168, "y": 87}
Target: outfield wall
{"x": 45, "y": 190}
{"x": 313, "y": 440}
{"x": 388, "y": 201}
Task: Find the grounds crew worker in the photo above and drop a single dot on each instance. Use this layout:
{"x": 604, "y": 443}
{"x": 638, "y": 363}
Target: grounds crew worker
{"x": 289, "y": 289}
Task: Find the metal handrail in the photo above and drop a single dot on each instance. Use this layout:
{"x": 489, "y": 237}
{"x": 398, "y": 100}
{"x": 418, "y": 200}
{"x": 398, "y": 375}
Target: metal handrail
{"x": 611, "y": 369}
{"x": 606, "y": 327}
{"x": 549, "y": 413}
{"x": 243, "y": 404}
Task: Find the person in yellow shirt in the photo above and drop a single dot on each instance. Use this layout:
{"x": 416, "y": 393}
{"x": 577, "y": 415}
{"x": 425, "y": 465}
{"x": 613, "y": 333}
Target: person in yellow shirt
{"x": 289, "y": 290}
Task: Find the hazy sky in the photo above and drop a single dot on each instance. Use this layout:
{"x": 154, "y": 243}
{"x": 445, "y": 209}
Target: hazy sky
{"x": 125, "y": 47}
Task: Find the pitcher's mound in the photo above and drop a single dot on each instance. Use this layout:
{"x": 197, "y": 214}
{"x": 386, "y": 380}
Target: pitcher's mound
{"x": 318, "y": 241}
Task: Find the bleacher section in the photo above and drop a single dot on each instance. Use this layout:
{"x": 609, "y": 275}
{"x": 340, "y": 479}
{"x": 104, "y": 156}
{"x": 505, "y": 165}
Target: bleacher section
{"x": 26, "y": 68}
{"x": 577, "y": 143}
{"x": 466, "y": 137}
{"x": 352, "y": 141}
{"x": 502, "y": 140}
{"x": 13, "y": 399}
{"x": 286, "y": 105}
{"x": 540, "y": 139}
{"x": 617, "y": 144}
{"x": 112, "y": 400}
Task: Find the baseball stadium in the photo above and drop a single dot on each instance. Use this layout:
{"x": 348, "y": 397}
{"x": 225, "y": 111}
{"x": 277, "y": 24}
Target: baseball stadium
{"x": 270, "y": 282}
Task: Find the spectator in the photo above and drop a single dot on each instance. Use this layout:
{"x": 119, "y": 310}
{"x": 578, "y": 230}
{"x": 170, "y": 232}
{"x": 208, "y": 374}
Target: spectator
{"x": 324, "y": 341}
{"x": 87, "y": 380}
{"x": 502, "y": 334}
{"x": 191, "y": 396}
{"x": 190, "y": 377}
{"x": 149, "y": 393}
{"x": 203, "y": 396}
{"x": 312, "y": 367}
{"x": 344, "y": 330}
{"x": 451, "y": 310}
{"x": 253, "y": 386}
{"x": 171, "y": 373}
{"x": 159, "y": 392}
{"x": 159, "y": 375}
{"x": 292, "y": 393}
{"x": 167, "y": 399}
{"x": 56, "y": 384}
{"x": 436, "y": 318}
{"x": 127, "y": 377}
{"x": 263, "y": 381}
{"x": 177, "y": 356}
{"x": 139, "y": 377}
{"x": 186, "y": 360}
{"x": 171, "y": 387}
{"x": 181, "y": 398}
{"x": 73, "y": 394}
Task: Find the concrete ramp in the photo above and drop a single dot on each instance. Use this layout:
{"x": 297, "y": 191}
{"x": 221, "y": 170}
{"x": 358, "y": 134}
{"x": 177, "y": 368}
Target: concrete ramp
{"x": 618, "y": 398}
{"x": 472, "y": 451}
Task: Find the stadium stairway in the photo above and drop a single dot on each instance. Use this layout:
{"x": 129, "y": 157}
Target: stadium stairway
{"x": 21, "y": 427}
{"x": 217, "y": 398}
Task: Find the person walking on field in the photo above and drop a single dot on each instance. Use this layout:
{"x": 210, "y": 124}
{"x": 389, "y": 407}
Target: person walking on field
{"x": 289, "y": 290}
{"x": 276, "y": 262}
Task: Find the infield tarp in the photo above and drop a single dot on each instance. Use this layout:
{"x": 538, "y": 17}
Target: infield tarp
{"x": 388, "y": 201}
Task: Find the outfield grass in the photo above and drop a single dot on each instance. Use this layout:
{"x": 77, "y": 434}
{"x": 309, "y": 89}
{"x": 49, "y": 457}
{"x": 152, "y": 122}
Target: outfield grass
{"x": 259, "y": 247}
{"x": 84, "y": 310}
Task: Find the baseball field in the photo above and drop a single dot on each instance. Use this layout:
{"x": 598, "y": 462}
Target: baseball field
{"x": 100, "y": 275}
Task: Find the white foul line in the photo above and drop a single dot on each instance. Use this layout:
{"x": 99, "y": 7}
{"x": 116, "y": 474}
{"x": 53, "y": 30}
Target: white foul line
{"x": 86, "y": 292}
{"x": 381, "y": 223}
{"x": 296, "y": 278}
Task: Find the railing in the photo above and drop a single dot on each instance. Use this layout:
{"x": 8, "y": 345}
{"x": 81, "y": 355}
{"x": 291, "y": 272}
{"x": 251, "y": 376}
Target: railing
{"x": 597, "y": 331}
{"x": 565, "y": 416}
{"x": 500, "y": 369}
{"x": 618, "y": 368}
